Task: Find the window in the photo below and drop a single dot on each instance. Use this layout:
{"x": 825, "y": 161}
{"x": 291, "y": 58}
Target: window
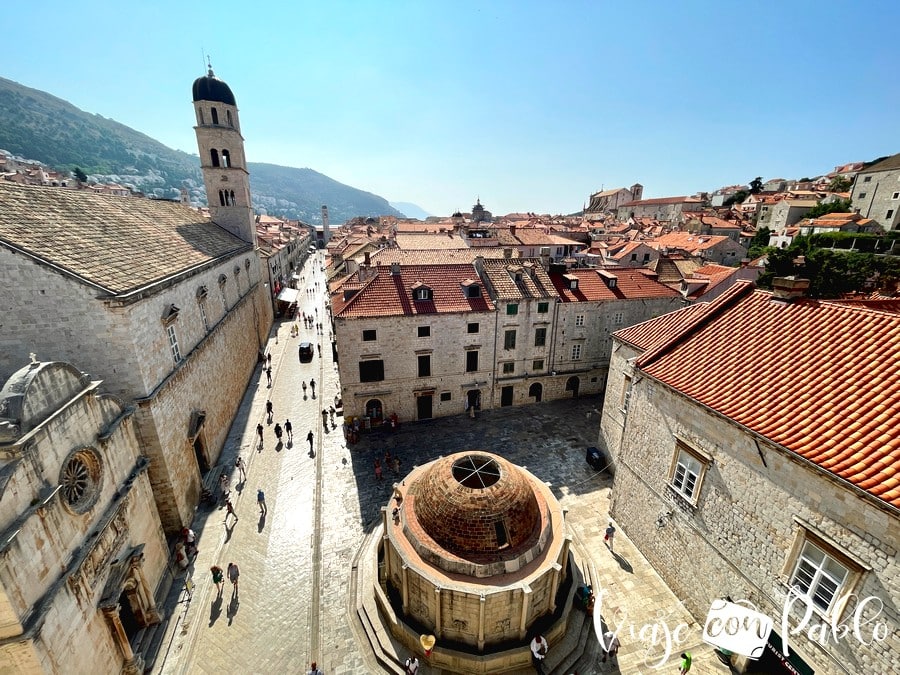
{"x": 202, "y": 120}
{"x": 473, "y": 291}
{"x": 228, "y": 117}
{"x": 618, "y": 318}
{"x": 818, "y": 577}
{"x": 889, "y": 214}
{"x": 173, "y": 343}
{"x": 576, "y": 352}
{"x": 509, "y": 368}
{"x": 226, "y": 158}
{"x": 687, "y": 472}
{"x": 369, "y": 335}
{"x": 222, "y": 281}
{"x": 543, "y": 307}
{"x": 445, "y": 396}
{"x": 215, "y": 115}
{"x": 424, "y": 331}
{"x": 512, "y": 309}
{"x": 472, "y": 328}
{"x": 646, "y": 257}
{"x": 214, "y": 157}
{"x": 471, "y": 361}
{"x": 626, "y": 395}
{"x": 862, "y": 195}
{"x": 424, "y": 365}
{"x": 537, "y": 364}
{"x": 867, "y": 179}
{"x": 509, "y": 339}
{"x": 896, "y": 195}
{"x": 203, "y": 316}
{"x": 371, "y": 371}
{"x": 579, "y": 320}
{"x": 422, "y": 294}
{"x": 634, "y": 257}
{"x": 540, "y": 337}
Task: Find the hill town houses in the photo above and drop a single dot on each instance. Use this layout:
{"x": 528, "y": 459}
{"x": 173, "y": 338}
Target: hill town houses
{"x": 752, "y": 434}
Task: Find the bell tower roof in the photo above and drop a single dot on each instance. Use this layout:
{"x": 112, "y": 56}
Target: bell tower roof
{"x": 211, "y": 88}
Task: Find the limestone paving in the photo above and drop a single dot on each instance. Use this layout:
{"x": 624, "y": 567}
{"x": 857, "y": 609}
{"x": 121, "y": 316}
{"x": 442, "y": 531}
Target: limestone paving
{"x": 295, "y": 562}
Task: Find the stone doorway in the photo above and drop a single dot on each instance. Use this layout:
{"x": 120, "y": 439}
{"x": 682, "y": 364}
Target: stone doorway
{"x": 536, "y": 391}
{"x": 572, "y": 385}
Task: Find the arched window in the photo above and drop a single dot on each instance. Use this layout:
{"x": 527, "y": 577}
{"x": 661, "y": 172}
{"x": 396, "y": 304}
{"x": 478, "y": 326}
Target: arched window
{"x": 228, "y": 117}
{"x": 232, "y": 198}
{"x": 214, "y": 157}
{"x": 215, "y": 115}
{"x": 222, "y": 197}
{"x": 200, "y": 116}
{"x": 226, "y": 158}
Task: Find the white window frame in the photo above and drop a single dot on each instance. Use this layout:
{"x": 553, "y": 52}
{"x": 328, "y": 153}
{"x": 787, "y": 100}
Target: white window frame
{"x": 173, "y": 343}
{"x": 576, "y": 352}
{"x": 619, "y": 318}
{"x": 579, "y": 319}
{"x": 687, "y": 472}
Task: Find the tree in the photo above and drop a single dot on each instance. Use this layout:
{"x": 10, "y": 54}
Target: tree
{"x": 839, "y": 184}
{"x": 737, "y": 198}
{"x": 80, "y": 175}
{"x": 756, "y": 185}
{"x": 837, "y": 206}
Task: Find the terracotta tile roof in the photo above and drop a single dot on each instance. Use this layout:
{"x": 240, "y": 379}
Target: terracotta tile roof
{"x": 687, "y": 241}
{"x": 423, "y": 240}
{"x": 118, "y": 243}
{"x": 391, "y": 295}
{"x": 534, "y": 281}
{"x": 819, "y": 378}
{"x": 630, "y": 285}
{"x": 890, "y": 164}
{"x": 655, "y": 332}
{"x": 386, "y": 256}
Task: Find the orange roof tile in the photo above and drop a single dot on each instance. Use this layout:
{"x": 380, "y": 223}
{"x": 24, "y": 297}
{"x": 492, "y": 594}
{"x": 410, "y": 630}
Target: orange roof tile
{"x": 630, "y": 284}
{"x": 819, "y": 378}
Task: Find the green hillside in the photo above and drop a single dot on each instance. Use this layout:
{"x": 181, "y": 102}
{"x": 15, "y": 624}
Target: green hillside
{"x": 36, "y": 125}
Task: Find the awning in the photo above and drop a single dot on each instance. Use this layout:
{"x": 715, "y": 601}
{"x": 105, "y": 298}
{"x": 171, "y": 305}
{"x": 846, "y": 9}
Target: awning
{"x": 288, "y": 295}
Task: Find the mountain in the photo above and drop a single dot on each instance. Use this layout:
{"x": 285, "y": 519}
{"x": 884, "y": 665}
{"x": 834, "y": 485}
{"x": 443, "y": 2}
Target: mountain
{"x": 36, "y": 125}
{"x": 411, "y": 210}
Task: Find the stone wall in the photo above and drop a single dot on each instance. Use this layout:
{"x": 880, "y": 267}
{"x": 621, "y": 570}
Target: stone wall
{"x": 742, "y": 536}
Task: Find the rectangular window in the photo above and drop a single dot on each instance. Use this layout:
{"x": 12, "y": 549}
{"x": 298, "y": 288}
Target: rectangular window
{"x": 509, "y": 368}
{"x": 579, "y": 319}
{"x": 687, "y": 472}
{"x": 626, "y": 394}
{"x": 896, "y": 195}
{"x": 424, "y": 331}
{"x": 424, "y": 365}
{"x": 576, "y": 352}
{"x": 537, "y": 364}
{"x": 540, "y": 337}
{"x": 633, "y": 257}
{"x": 867, "y": 179}
{"x": 371, "y": 371}
{"x": 646, "y": 257}
{"x": 509, "y": 339}
{"x": 205, "y": 319}
{"x": 618, "y": 318}
{"x": 368, "y": 335}
{"x": 889, "y": 214}
{"x": 472, "y": 361}
{"x": 173, "y": 343}
{"x": 543, "y": 307}
{"x": 445, "y": 396}
{"x": 472, "y": 328}
{"x": 512, "y": 309}
{"x": 862, "y": 195}
{"x": 819, "y": 577}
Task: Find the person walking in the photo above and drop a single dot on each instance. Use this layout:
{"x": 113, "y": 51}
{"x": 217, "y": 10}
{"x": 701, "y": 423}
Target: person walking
{"x": 223, "y": 484}
{"x": 685, "y": 663}
{"x": 270, "y": 410}
{"x": 269, "y": 360}
{"x": 377, "y": 470}
{"x": 278, "y": 432}
{"x": 289, "y": 430}
{"x": 314, "y": 669}
{"x": 304, "y": 389}
{"x": 190, "y": 539}
{"x": 412, "y": 665}
{"x": 259, "y": 432}
{"x": 312, "y": 386}
{"x": 261, "y": 500}
{"x": 239, "y": 465}
{"x": 539, "y": 649}
{"x": 610, "y": 645}
{"x": 233, "y": 575}
{"x": 229, "y": 511}
{"x": 325, "y": 419}
{"x": 218, "y": 577}
{"x": 610, "y": 534}
{"x": 269, "y": 375}
{"x": 310, "y": 437}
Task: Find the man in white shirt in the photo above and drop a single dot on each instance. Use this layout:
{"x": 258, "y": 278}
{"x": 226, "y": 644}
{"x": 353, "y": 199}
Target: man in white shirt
{"x": 539, "y": 648}
{"x": 412, "y": 665}
{"x": 610, "y": 645}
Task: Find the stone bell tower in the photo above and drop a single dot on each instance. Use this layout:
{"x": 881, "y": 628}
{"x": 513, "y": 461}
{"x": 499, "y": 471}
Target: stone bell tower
{"x": 222, "y": 158}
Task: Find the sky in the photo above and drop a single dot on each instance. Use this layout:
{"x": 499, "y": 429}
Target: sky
{"x": 529, "y": 106}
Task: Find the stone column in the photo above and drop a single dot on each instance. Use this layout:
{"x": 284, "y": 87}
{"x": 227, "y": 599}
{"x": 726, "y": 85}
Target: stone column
{"x": 481, "y": 604}
{"x": 133, "y": 665}
{"x": 554, "y": 584}
{"x": 526, "y": 604}
{"x": 384, "y": 544}
{"x": 437, "y": 611}
{"x": 149, "y": 614}
{"x": 404, "y": 587}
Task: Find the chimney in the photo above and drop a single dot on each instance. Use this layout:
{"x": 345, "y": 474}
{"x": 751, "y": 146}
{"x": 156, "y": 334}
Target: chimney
{"x": 512, "y": 230}
{"x": 789, "y": 288}
{"x": 395, "y": 269}
{"x": 507, "y": 253}
{"x": 368, "y": 261}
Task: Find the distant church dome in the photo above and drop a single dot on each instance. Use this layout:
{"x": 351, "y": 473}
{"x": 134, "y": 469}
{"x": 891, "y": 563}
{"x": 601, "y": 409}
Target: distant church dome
{"x": 211, "y": 88}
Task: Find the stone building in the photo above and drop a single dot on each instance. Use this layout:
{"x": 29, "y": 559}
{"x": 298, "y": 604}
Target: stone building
{"x": 608, "y": 201}
{"x": 663, "y": 209}
{"x": 83, "y": 553}
{"x": 756, "y": 458}
{"x": 876, "y": 193}
{"x": 164, "y": 305}
{"x": 476, "y": 554}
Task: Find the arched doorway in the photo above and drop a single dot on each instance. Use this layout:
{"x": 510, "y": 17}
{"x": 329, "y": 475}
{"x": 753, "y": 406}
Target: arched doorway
{"x": 572, "y": 385}
{"x": 536, "y": 391}
{"x": 473, "y": 399}
{"x": 374, "y": 411}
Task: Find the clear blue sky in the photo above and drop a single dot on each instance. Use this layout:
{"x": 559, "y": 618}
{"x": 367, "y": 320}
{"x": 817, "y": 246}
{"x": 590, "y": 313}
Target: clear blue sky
{"x": 529, "y": 105}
